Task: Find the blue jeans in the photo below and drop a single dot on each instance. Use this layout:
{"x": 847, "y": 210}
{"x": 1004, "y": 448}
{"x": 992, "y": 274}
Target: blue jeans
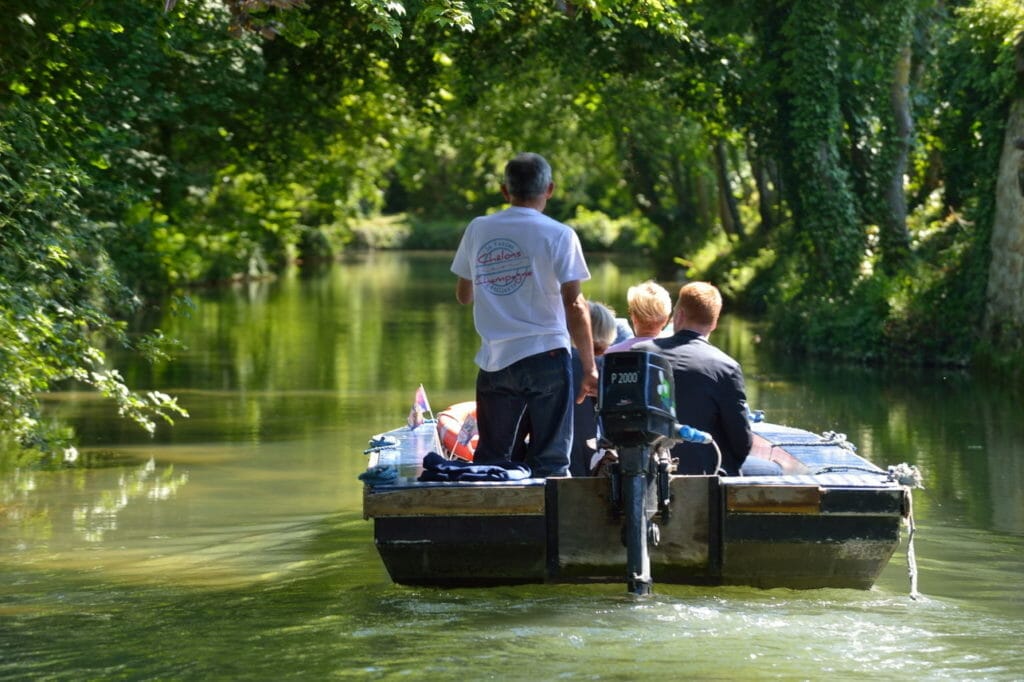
{"x": 537, "y": 388}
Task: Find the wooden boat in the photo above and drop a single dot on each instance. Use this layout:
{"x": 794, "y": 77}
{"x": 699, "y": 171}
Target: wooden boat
{"x": 830, "y": 519}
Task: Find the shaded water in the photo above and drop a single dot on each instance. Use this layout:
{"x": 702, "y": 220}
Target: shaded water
{"x": 232, "y": 546}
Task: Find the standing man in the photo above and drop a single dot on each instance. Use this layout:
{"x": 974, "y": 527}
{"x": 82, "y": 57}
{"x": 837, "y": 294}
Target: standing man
{"x": 522, "y": 272}
{"x": 710, "y": 394}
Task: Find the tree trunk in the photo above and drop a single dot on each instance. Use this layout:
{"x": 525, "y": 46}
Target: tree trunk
{"x": 729, "y": 211}
{"x": 640, "y": 177}
{"x": 684, "y": 194}
{"x": 895, "y": 237}
{"x": 640, "y": 174}
{"x": 925, "y": 30}
{"x": 859, "y": 162}
{"x": 764, "y": 179}
{"x": 1004, "y": 313}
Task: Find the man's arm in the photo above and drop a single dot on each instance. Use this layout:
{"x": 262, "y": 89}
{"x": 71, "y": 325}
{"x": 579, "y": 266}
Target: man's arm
{"x": 577, "y": 317}
{"x": 464, "y": 291}
{"x": 734, "y": 416}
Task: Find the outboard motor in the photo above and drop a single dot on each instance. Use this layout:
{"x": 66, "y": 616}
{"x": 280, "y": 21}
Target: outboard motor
{"x": 637, "y": 412}
{"x": 636, "y": 402}
{"x": 636, "y": 408}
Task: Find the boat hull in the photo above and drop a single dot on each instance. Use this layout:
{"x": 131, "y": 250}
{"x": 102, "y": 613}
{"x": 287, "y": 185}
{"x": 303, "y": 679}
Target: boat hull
{"x": 796, "y": 530}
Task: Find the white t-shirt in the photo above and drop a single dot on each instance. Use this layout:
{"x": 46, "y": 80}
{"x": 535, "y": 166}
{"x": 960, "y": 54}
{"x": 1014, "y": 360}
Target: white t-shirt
{"x": 518, "y": 260}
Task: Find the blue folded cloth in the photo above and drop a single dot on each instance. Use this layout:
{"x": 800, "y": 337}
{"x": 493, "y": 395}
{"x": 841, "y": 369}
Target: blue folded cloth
{"x": 437, "y": 468}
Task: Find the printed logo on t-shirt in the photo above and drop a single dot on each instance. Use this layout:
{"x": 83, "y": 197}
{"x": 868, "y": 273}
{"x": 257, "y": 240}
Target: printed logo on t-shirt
{"x": 502, "y": 267}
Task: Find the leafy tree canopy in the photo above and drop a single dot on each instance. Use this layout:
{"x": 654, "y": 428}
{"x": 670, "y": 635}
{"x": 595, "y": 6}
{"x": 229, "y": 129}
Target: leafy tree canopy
{"x": 829, "y": 163}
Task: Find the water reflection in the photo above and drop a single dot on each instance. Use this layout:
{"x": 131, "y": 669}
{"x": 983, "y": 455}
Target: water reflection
{"x": 346, "y": 345}
{"x": 93, "y": 520}
{"x": 961, "y": 433}
{"x": 34, "y": 504}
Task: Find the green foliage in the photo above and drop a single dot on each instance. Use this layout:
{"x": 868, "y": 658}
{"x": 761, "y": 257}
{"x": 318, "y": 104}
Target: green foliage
{"x": 848, "y": 328}
{"x": 927, "y": 314}
{"x": 386, "y": 16}
{"x": 884, "y": 321}
{"x": 975, "y": 81}
{"x": 938, "y": 299}
{"x": 929, "y": 310}
{"x": 55, "y": 290}
{"x": 747, "y": 271}
{"x": 259, "y": 225}
{"x": 596, "y": 230}
{"x": 818, "y": 188}
{"x": 600, "y": 232}
{"x": 443, "y": 235}
{"x": 401, "y": 231}
{"x": 142, "y": 151}
{"x": 383, "y": 232}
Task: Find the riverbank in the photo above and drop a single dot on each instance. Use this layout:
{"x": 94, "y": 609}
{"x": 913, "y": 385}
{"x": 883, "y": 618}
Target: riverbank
{"x": 926, "y": 313}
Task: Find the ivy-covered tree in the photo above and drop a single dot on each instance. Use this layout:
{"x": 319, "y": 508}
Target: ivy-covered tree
{"x": 809, "y": 129}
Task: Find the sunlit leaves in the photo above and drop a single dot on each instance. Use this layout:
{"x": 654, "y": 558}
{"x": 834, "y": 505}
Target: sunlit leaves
{"x": 60, "y": 297}
{"x": 140, "y": 408}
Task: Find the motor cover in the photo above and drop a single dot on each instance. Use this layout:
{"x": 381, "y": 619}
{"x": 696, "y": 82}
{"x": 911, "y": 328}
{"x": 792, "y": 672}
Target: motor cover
{"x": 636, "y": 399}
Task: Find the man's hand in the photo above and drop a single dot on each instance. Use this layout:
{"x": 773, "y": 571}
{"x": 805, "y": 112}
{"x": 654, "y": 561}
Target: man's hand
{"x": 588, "y": 387}
{"x": 464, "y": 291}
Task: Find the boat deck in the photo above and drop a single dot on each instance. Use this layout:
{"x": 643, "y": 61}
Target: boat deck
{"x": 808, "y": 459}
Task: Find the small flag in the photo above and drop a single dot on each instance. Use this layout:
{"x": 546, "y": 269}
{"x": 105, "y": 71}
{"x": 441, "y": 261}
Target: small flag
{"x": 468, "y": 430}
{"x": 420, "y": 406}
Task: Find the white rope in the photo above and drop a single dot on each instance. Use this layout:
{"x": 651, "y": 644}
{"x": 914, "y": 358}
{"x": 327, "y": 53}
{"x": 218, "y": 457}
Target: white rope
{"x": 909, "y": 476}
{"x": 826, "y": 439}
{"x": 911, "y": 557}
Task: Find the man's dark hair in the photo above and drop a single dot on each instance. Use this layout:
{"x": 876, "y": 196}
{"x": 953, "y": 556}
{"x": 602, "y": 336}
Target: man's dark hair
{"x": 527, "y": 176}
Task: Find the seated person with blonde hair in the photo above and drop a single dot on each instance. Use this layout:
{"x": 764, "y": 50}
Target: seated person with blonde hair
{"x": 650, "y": 307}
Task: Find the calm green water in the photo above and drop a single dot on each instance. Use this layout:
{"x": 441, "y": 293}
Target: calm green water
{"x": 233, "y": 547}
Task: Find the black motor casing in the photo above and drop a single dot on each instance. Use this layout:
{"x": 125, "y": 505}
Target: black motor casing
{"x": 636, "y": 402}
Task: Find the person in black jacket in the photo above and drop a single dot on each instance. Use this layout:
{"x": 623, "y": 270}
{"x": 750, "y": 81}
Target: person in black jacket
{"x": 710, "y": 394}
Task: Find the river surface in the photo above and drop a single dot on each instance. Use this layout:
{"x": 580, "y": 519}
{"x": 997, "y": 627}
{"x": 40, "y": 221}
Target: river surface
{"x": 232, "y": 545}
